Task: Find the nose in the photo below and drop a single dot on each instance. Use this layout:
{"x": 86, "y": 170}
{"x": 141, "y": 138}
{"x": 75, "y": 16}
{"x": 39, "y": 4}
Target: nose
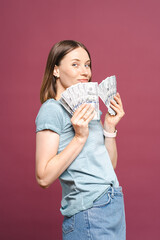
{"x": 84, "y": 71}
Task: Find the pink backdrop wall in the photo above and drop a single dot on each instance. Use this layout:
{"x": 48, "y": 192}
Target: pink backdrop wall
{"x": 123, "y": 38}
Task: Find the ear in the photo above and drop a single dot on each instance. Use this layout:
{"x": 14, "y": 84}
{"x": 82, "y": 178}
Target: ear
{"x": 56, "y": 71}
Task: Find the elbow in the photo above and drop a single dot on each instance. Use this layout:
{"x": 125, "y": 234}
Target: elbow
{"x": 42, "y": 183}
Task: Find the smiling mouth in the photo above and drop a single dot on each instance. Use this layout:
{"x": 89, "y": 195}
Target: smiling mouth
{"x": 83, "y": 80}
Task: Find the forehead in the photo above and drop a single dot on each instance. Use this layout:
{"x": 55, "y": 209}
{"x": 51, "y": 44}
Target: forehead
{"x": 78, "y": 53}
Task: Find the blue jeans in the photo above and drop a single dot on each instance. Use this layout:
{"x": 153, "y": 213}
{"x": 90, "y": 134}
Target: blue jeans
{"x": 104, "y": 221}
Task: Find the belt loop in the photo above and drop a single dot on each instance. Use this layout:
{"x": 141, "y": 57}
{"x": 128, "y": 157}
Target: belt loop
{"x": 112, "y": 194}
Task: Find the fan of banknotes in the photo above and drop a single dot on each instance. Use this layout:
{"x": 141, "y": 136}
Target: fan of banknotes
{"x": 90, "y": 92}
{"x": 107, "y": 89}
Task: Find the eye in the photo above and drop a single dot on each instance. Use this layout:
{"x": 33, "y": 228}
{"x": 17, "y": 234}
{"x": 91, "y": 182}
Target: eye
{"x": 74, "y": 64}
{"x": 88, "y": 65}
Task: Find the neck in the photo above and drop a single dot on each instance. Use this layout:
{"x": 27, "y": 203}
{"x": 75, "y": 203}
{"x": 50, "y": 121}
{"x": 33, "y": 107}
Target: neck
{"x": 60, "y": 90}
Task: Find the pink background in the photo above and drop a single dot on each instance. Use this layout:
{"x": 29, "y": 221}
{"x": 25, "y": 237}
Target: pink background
{"x": 124, "y": 39}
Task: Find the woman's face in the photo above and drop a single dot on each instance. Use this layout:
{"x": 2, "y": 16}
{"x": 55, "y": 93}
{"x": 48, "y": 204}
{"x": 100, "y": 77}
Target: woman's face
{"x": 74, "y": 68}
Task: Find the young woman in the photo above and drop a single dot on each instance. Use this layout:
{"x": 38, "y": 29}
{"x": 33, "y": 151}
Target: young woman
{"x": 75, "y": 150}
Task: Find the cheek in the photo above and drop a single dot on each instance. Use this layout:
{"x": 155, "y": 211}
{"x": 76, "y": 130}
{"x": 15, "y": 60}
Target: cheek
{"x": 69, "y": 74}
{"x": 73, "y": 72}
{"x": 90, "y": 73}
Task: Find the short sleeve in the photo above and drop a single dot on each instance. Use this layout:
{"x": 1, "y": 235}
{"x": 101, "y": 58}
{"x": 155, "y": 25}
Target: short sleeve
{"x": 50, "y": 116}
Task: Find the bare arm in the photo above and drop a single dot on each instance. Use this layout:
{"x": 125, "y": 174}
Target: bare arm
{"x": 110, "y": 123}
{"x": 49, "y": 164}
{"x": 111, "y": 146}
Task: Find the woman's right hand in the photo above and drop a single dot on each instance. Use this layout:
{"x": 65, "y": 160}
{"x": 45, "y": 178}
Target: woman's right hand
{"x": 80, "y": 120}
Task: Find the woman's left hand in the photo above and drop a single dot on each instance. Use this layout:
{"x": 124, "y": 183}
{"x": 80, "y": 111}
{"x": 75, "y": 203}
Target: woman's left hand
{"x": 110, "y": 121}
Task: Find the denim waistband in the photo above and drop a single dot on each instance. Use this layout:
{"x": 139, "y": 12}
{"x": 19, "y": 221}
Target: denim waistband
{"x": 113, "y": 191}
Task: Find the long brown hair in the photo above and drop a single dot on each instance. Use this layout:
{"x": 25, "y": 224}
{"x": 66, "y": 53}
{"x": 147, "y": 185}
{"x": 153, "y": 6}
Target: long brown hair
{"x": 56, "y": 54}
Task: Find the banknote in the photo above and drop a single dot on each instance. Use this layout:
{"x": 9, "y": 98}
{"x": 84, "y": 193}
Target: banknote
{"x": 91, "y": 96}
{"x": 107, "y": 90}
{"x": 89, "y": 93}
{"x": 66, "y": 106}
{"x": 81, "y": 93}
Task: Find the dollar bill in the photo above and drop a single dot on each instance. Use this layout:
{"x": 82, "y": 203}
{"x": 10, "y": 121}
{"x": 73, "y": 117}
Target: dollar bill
{"x": 89, "y": 93}
{"x": 91, "y": 97}
{"x": 66, "y": 106}
{"x": 107, "y": 90}
{"x": 81, "y": 93}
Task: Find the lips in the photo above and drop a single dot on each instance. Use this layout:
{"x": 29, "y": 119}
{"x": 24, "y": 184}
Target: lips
{"x": 83, "y": 80}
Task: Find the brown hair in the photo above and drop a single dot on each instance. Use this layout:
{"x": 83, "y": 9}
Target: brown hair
{"x": 56, "y": 54}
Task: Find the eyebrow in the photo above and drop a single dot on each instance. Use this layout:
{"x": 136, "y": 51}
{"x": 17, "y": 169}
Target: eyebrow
{"x": 79, "y": 60}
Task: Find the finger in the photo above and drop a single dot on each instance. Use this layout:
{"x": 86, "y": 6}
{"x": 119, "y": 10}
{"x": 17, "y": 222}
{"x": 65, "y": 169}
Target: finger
{"x": 118, "y": 94}
{"x": 88, "y": 113}
{"x": 115, "y": 103}
{"x": 114, "y": 108}
{"x": 118, "y": 99}
{"x": 118, "y": 110}
{"x": 83, "y": 112}
{"x": 79, "y": 109}
{"x": 80, "y": 122}
{"x": 90, "y": 117}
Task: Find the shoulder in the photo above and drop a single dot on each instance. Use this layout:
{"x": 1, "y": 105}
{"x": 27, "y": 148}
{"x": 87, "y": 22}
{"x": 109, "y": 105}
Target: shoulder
{"x": 51, "y": 115}
{"x": 49, "y": 107}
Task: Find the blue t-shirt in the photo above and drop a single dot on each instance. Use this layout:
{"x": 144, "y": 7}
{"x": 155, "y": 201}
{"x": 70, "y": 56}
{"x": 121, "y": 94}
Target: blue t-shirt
{"x": 91, "y": 173}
